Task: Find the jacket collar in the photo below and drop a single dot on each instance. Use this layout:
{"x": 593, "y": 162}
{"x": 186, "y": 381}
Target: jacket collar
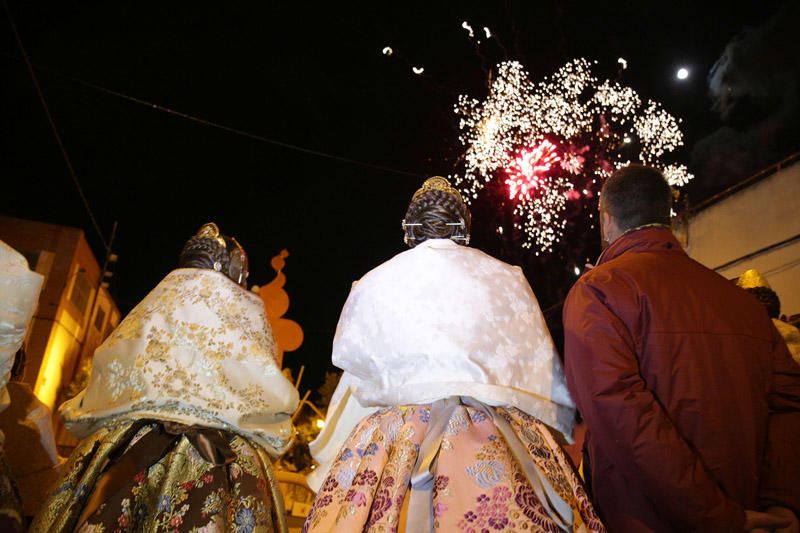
{"x": 650, "y": 238}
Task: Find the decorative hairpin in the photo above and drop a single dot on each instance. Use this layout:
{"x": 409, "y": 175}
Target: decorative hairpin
{"x": 460, "y": 224}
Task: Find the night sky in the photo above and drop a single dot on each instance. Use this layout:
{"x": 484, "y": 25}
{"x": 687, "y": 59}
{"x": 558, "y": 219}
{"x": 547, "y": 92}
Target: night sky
{"x": 314, "y": 76}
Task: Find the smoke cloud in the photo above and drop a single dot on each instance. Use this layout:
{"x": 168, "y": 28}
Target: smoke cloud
{"x": 755, "y": 90}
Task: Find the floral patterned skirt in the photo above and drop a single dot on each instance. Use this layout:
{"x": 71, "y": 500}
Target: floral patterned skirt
{"x": 478, "y": 481}
{"x": 152, "y": 476}
{"x": 11, "y": 519}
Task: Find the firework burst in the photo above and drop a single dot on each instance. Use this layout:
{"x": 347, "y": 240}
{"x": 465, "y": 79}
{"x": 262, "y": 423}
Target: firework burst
{"x": 554, "y": 142}
{"x": 530, "y": 169}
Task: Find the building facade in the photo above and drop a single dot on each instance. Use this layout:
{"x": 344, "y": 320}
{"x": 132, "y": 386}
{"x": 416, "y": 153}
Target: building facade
{"x": 75, "y": 312}
{"x": 753, "y": 225}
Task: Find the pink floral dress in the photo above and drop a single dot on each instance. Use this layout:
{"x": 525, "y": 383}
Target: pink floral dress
{"x": 478, "y": 484}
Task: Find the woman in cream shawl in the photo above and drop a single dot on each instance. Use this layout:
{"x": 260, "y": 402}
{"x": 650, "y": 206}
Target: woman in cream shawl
{"x": 452, "y": 398}
{"x": 184, "y": 404}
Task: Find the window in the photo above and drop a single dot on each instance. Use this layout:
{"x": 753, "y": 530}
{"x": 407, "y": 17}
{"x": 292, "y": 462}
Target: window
{"x": 109, "y": 329}
{"x": 81, "y": 292}
{"x": 99, "y": 318}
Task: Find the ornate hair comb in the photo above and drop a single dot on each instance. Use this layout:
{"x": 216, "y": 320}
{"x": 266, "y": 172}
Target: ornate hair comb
{"x": 211, "y": 231}
{"x": 437, "y": 183}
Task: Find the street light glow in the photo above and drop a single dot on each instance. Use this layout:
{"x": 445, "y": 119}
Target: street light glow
{"x": 683, "y": 73}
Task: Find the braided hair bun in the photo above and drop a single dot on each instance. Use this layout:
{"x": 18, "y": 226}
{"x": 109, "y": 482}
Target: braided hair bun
{"x": 440, "y": 215}
{"x": 204, "y": 252}
{"x": 211, "y": 250}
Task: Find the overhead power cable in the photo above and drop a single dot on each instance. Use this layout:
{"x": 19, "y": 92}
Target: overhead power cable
{"x": 53, "y": 127}
{"x": 223, "y": 127}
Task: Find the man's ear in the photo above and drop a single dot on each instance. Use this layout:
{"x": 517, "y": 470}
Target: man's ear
{"x": 610, "y": 227}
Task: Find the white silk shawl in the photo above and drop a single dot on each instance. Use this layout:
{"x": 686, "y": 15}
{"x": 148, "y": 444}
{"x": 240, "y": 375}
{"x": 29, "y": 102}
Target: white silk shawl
{"x": 442, "y": 320}
{"x": 19, "y": 296}
{"x": 197, "y": 350}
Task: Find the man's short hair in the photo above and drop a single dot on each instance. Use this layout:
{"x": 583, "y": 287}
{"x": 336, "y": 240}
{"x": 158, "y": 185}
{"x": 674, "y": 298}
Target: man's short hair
{"x": 637, "y": 195}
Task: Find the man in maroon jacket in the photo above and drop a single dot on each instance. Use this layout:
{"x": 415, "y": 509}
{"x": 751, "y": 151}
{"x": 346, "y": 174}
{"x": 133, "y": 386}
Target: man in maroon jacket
{"x": 690, "y": 396}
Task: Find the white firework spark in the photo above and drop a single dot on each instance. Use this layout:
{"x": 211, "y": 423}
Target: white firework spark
{"x": 588, "y": 121}
{"x": 677, "y": 175}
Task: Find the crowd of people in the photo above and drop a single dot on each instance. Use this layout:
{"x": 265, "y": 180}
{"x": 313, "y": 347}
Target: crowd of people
{"x": 454, "y": 404}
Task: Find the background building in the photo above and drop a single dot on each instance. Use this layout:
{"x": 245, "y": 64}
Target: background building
{"x": 75, "y": 312}
{"x": 755, "y": 224}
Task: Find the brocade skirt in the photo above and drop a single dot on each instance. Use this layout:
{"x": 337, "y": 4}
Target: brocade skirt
{"x": 11, "y": 519}
{"x": 153, "y": 476}
{"x": 454, "y": 465}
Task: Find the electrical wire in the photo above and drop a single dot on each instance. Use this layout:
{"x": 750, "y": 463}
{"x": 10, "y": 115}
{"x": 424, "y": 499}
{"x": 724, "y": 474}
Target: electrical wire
{"x": 223, "y": 127}
{"x": 53, "y": 127}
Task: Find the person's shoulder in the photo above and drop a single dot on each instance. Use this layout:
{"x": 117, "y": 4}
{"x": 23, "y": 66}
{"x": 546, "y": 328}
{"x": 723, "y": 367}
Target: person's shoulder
{"x": 392, "y": 264}
{"x": 601, "y": 275}
{"x": 458, "y": 253}
{"x": 385, "y": 274}
{"x": 214, "y": 287}
{"x": 611, "y": 280}
{"x": 487, "y": 268}
{"x": 632, "y": 267}
{"x": 587, "y": 284}
{"x": 186, "y": 277}
{"x": 485, "y": 258}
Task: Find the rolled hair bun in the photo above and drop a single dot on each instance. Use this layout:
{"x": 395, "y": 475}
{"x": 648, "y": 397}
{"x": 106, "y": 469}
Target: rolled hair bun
{"x": 433, "y": 210}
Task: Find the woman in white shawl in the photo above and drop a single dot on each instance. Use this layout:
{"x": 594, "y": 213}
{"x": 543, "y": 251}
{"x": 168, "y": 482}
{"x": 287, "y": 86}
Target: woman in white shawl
{"x": 184, "y": 403}
{"x": 19, "y": 296}
{"x": 452, "y": 397}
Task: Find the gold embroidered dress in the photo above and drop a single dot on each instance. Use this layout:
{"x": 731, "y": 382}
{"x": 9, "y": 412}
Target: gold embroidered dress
{"x": 185, "y": 403}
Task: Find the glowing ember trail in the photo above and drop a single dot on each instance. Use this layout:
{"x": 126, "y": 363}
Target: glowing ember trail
{"x": 528, "y": 169}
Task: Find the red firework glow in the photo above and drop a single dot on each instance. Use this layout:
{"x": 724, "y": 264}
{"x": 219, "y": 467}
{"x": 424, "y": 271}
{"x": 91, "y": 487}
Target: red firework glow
{"x": 528, "y": 169}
